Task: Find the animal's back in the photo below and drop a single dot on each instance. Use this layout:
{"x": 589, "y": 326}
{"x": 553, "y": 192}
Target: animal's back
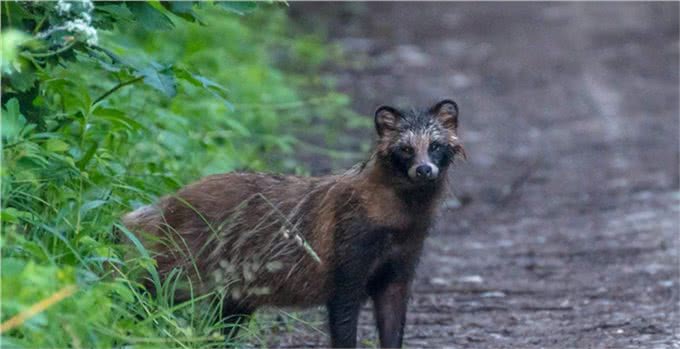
{"x": 261, "y": 239}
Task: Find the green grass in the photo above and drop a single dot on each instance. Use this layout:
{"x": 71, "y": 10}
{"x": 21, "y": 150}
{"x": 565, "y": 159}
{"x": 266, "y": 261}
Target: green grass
{"x": 86, "y": 139}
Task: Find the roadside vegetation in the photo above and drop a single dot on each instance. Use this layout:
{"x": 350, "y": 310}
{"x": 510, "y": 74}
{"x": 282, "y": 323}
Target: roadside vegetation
{"x": 108, "y": 105}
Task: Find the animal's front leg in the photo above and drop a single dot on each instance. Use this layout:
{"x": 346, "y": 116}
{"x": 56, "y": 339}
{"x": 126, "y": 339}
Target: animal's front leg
{"x": 345, "y": 303}
{"x": 343, "y": 313}
{"x": 234, "y": 318}
{"x": 390, "y": 304}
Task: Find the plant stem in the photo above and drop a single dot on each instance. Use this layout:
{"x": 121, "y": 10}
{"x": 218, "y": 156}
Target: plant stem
{"x": 35, "y": 63}
{"x": 47, "y": 54}
{"x": 115, "y": 88}
{"x": 39, "y": 25}
{"x": 9, "y": 17}
{"x": 37, "y": 308}
{"x": 12, "y": 145}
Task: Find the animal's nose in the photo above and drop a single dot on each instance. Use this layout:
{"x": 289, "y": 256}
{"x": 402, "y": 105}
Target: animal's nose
{"x": 424, "y": 171}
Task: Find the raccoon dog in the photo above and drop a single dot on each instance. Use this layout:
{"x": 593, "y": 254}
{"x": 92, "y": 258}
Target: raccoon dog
{"x": 338, "y": 240}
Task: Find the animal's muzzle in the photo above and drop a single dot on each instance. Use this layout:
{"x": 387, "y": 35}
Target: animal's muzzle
{"x": 423, "y": 172}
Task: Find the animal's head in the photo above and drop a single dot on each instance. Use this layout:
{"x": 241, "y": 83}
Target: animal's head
{"x": 418, "y": 146}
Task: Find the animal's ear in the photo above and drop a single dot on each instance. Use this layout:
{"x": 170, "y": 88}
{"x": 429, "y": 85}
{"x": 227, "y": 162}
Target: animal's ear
{"x": 446, "y": 112}
{"x": 386, "y": 119}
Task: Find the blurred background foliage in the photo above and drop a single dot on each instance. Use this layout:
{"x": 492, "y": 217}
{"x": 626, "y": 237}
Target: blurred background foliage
{"x": 108, "y": 105}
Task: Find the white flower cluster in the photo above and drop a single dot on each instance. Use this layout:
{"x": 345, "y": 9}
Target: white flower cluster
{"x": 83, "y": 27}
{"x": 79, "y": 20}
{"x": 63, "y": 7}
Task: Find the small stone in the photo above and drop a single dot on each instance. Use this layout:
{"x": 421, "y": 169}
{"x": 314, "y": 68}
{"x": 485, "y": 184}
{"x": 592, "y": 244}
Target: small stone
{"x": 411, "y": 55}
{"x": 437, "y": 281}
{"x": 460, "y": 80}
{"x": 452, "y": 203}
{"x": 666, "y": 283}
{"x": 493, "y": 294}
{"x": 474, "y": 279}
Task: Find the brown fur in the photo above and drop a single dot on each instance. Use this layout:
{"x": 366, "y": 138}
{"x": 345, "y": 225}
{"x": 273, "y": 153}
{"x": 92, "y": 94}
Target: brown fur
{"x": 260, "y": 239}
{"x": 307, "y": 206}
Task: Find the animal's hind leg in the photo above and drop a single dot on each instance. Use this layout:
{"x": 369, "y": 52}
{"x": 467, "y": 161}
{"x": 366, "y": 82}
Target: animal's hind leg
{"x": 233, "y": 319}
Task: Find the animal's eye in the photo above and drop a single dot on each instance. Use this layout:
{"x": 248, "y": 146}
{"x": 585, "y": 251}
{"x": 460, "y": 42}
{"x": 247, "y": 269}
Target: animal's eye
{"x": 406, "y": 149}
{"x": 435, "y": 146}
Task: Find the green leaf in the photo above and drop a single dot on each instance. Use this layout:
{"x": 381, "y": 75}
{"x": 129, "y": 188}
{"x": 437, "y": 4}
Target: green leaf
{"x": 237, "y": 126}
{"x": 142, "y": 250}
{"x": 238, "y": 7}
{"x": 22, "y": 81}
{"x": 12, "y": 120}
{"x": 118, "y": 11}
{"x": 149, "y": 17}
{"x": 182, "y": 9}
{"x": 90, "y": 205}
{"x": 161, "y": 79}
{"x": 85, "y": 159}
{"x": 108, "y": 60}
{"x": 56, "y": 145}
{"x": 209, "y": 84}
{"x": 200, "y": 81}
{"x": 17, "y": 12}
{"x": 155, "y": 75}
{"x": 12, "y": 215}
{"x": 117, "y": 117}
{"x": 123, "y": 292}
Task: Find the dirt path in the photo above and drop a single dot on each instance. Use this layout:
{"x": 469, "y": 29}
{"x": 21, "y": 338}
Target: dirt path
{"x": 570, "y": 117}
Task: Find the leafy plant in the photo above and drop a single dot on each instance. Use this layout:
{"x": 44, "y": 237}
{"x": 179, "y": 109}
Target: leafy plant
{"x": 106, "y": 106}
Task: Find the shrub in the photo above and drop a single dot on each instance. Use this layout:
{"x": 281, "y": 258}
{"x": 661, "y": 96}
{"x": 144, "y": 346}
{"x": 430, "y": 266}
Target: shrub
{"x": 106, "y": 106}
